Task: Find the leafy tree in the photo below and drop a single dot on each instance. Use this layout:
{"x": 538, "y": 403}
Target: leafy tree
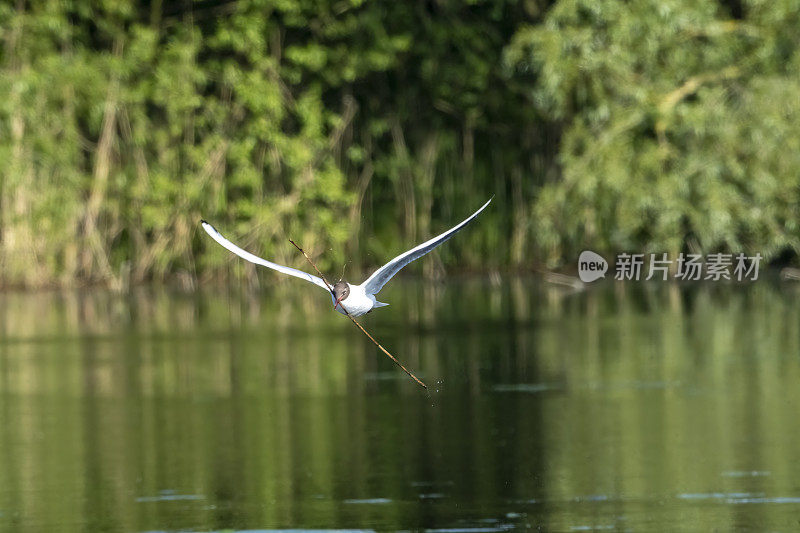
{"x": 681, "y": 125}
{"x": 359, "y": 128}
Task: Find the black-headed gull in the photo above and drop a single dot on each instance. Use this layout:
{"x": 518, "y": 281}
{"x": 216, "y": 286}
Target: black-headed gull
{"x": 356, "y": 300}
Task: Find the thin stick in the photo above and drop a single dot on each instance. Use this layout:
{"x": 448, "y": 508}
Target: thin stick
{"x": 315, "y": 267}
{"x": 407, "y": 371}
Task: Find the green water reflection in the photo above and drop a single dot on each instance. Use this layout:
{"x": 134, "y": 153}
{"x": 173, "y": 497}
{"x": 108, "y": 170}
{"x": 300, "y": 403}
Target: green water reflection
{"x": 633, "y": 407}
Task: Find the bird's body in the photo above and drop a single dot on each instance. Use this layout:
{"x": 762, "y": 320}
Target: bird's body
{"x": 349, "y": 299}
{"x": 357, "y": 302}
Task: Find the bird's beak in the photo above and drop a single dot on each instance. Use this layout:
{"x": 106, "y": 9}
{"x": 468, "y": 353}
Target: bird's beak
{"x": 337, "y": 302}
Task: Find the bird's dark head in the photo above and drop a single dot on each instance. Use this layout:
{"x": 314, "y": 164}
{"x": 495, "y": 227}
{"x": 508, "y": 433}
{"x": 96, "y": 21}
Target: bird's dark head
{"x": 341, "y": 290}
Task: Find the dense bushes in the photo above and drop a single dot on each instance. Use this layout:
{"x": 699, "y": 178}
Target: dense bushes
{"x": 358, "y": 128}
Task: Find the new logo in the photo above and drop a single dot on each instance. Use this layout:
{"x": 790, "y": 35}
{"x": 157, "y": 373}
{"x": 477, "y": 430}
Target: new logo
{"x": 591, "y": 266}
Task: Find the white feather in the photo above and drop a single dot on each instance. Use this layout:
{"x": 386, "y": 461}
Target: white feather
{"x": 380, "y": 277}
{"x": 247, "y": 256}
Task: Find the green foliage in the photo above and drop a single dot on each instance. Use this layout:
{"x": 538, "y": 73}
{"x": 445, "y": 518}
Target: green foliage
{"x": 681, "y": 125}
{"x": 359, "y": 128}
{"x": 134, "y": 131}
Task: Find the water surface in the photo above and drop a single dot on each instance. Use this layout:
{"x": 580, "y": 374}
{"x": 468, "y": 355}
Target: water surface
{"x": 623, "y": 407}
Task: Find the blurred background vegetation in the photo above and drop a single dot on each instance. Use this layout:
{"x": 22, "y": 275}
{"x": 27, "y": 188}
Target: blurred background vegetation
{"x": 358, "y": 128}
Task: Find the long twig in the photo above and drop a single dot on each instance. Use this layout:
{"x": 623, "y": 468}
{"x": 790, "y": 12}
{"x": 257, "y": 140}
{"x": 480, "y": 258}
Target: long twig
{"x": 393, "y": 358}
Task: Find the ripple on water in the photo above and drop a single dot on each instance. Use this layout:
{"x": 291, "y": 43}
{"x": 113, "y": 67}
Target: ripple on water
{"x": 777, "y": 499}
{"x": 503, "y": 527}
{"x": 367, "y": 501}
{"x": 448, "y": 483}
{"x": 169, "y": 496}
{"x": 719, "y": 495}
{"x": 592, "y": 498}
{"x": 739, "y": 497}
{"x": 525, "y": 387}
{"x": 747, "y": 473}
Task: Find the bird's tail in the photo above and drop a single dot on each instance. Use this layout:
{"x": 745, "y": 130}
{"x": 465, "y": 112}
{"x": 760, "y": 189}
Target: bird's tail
{"x": 380, "y": 304}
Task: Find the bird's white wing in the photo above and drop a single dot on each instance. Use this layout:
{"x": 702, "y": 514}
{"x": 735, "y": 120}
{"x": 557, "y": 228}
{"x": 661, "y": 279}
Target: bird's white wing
{"x": 217, "y": 236}
{"x": 381, "y": 276}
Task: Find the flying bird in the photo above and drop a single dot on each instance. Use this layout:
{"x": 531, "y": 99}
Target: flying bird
{"x": 355, "y": 300}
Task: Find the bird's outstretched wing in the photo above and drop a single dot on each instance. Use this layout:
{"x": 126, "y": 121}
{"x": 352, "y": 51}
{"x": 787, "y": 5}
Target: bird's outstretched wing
{"x": 381, "y": 276}
{"x": 217, "y": 236}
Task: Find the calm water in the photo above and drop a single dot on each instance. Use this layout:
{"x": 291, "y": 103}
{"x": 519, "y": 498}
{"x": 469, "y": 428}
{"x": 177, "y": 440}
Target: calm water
{"x": 636, "y": 407}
